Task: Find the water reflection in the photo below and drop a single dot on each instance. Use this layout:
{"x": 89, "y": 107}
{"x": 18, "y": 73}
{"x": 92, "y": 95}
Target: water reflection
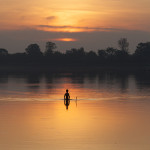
{"x": 113, "y": 111}
{"x": 3, "y": 78}
{"x": 47, "y": 86}
{"x": 66, "y": 103}
{"x": 143, "y": 80}
{"x": 97, "y": 125}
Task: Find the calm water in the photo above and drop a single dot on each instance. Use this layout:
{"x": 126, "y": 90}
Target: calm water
{"x": 108, "y": 111}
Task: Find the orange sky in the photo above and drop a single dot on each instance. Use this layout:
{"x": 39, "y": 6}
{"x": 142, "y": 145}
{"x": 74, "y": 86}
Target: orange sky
{"x": 92, "y": 24}
{"x": 75, "y": 15}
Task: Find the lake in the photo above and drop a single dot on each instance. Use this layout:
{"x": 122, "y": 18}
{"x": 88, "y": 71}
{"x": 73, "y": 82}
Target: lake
{"x": 107, "y": 111}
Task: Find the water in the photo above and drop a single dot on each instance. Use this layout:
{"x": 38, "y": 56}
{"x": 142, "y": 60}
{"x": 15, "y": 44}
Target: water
{"x": 108, "y": 111}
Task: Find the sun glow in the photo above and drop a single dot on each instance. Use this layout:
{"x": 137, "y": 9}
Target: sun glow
{"x": 66, "y": 39}
{"x": 74, "y": 15}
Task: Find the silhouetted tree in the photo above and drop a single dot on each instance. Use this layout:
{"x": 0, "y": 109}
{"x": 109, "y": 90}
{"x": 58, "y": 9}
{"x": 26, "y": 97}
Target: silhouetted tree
{"x": 33, "y": 50}
{"x": 57, "y": 57}
{"x": 57, "y": 53}
{"x": 3, "y": 52}
{"x": 91, "y": 58}
{"x": 111, "y": 51}
{"x": 143, "y": 49}
{"x": 121, "y": 54}
{"x": 143, "y": 52}
{"x": 78, "y": 57}
{"x": 18, "y": 58}
{"x": 91, "y": 54}
{"x": 71, "y": 52}
{"x": 50, "y": 46}
{"x": 81, "y": 52}
{"x": 102, "y": 53}
{"x": 78, "y": 53}
{"x": 123, "y": 44}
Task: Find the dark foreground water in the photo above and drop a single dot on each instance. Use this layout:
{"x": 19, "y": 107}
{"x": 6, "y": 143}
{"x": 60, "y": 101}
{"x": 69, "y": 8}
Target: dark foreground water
{"x": 108, "y": 111}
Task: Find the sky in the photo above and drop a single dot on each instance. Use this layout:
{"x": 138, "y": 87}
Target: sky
{"x": 90, "y": 24}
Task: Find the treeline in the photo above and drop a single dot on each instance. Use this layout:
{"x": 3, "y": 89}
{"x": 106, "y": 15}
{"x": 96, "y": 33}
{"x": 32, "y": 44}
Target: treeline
{"x": 78, "y": 57}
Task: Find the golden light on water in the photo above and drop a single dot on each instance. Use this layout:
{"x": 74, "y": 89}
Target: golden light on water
{"x": 103, "y": 116}
{"x": 98, "y": 124}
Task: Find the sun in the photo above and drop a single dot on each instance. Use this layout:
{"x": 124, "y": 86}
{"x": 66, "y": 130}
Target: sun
{"x": 66, "y": 39}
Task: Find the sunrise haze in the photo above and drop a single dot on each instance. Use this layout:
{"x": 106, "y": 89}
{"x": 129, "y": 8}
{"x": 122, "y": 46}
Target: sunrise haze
{"x": 72, "y": 23}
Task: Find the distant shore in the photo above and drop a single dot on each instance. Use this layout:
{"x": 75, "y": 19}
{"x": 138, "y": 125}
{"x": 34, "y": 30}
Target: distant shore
{"x": 67, "y": 68}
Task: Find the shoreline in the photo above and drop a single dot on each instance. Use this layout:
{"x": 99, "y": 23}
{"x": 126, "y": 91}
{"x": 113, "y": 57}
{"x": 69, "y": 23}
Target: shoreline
{"x": 73, "y": 69}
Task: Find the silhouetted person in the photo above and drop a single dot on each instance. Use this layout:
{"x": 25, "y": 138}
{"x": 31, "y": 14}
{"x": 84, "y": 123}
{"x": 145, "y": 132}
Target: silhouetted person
{"x": 66, "y": 99}
{"x": 66, "y": 95}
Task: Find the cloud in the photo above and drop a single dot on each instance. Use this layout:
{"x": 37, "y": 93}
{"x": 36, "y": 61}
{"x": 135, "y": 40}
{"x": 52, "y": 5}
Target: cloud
{"x": 81, "y": 28}
{"x": 51, "y": 17}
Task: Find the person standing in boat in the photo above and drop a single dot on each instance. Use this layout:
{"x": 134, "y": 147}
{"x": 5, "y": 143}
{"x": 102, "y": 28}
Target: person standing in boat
{"x": 66, "y": 95}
